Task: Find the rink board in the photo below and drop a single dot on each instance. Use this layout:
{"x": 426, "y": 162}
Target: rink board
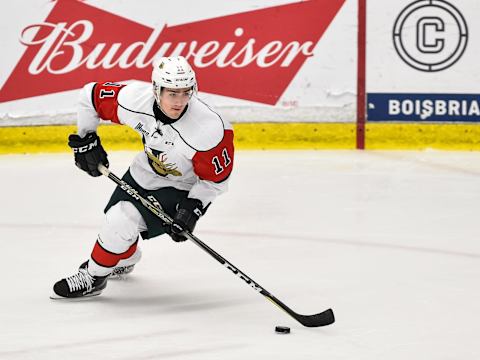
{"x": 265, "y": 136}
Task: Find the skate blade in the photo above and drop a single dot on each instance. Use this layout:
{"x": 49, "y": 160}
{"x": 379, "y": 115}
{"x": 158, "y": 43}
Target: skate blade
{"x": 117, "y": 277}
{"x": 78, "y": 298}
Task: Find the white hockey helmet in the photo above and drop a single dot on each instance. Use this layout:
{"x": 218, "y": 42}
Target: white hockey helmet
{"x": 172, "y": 72}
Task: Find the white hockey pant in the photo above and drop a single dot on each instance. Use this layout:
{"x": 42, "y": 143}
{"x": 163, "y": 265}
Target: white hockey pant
{"x": 118, "y": 239}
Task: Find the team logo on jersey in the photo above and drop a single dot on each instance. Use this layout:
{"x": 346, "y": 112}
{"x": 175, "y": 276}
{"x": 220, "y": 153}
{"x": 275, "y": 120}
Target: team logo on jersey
{"x": 158, "y": 162}
{"x": 78, "y": 43}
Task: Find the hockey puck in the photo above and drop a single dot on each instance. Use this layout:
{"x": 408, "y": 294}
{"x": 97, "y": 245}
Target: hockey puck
{"x": 282, "y": 329}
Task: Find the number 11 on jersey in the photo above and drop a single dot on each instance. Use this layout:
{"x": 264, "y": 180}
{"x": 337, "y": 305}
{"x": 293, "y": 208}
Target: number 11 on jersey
{"x": 226, "y": 162}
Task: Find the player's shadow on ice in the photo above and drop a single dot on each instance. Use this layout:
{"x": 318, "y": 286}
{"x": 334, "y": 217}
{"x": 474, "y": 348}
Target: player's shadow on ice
{"x": 145, "y": 296}
{"x": 182, "y": 302}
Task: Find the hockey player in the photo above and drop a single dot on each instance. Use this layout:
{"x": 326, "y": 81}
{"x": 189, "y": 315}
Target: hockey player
{"x": 185, "y": 165}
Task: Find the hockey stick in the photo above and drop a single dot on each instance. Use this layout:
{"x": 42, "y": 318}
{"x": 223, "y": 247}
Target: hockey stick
{"x": 321, "y": 319}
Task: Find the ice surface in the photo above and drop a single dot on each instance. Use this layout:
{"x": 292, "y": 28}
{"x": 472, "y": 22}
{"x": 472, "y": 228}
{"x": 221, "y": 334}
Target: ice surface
{"x": 390, "y": 240}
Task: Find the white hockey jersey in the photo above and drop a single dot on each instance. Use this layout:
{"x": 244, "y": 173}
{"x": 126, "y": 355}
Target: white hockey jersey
{"x": 194, "y": 153}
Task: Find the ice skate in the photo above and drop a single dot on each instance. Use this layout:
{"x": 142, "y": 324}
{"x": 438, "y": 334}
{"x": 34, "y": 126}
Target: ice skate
{"x": 118, "y": 272}
{"x": 80, "y": 285}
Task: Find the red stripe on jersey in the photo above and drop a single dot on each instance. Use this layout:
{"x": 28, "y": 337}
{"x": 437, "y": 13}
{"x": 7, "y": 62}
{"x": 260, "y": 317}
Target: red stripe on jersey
{"x": 104, "y": 99}
{"x": 108, "y": 259}
{"x": 215, "y": 164}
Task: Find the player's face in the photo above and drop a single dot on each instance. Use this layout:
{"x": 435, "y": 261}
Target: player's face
{"x": 173, "y": 101}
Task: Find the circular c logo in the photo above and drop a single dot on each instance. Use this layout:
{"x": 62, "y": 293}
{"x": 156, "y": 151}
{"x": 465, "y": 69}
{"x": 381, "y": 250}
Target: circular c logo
{"x": 430, "y": 35}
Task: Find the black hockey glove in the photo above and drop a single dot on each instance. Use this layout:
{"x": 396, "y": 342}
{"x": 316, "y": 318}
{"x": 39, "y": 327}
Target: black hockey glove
{"x": 188, "y": 212}
{"x": 88, "y": 152}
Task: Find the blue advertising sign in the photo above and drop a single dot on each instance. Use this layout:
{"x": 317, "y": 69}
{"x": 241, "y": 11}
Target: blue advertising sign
{"x": 423, "y": 107}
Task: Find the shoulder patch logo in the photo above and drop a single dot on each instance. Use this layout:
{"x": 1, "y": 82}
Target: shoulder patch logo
{"x": 140, "y": 128}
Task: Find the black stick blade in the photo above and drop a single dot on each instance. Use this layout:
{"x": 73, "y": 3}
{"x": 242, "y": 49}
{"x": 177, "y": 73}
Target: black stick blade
{"x": 321, "y": 319}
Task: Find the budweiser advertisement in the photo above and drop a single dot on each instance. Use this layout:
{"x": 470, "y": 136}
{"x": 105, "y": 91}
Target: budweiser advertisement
{"x": 259, "y": 60}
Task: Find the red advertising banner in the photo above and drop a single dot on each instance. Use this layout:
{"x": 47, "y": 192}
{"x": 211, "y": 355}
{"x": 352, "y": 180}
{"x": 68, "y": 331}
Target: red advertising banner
{"x": 252, "y": 55}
